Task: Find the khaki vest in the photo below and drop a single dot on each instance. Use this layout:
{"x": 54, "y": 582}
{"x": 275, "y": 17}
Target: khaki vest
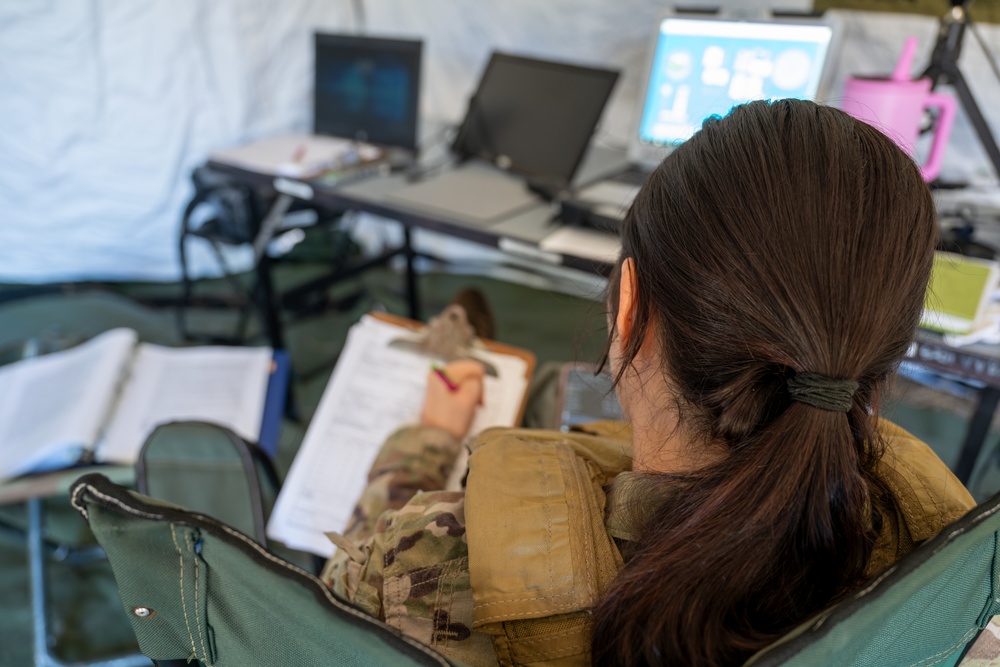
{"x": 540, "y": 555}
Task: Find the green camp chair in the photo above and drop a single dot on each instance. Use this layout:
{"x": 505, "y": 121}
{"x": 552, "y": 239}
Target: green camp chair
{"x": 196, "y": 589}
{"x": 207, "y": 468}
{"x": 925, "y": 610}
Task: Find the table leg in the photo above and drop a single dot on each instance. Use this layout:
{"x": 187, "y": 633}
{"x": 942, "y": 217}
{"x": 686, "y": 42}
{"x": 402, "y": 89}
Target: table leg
{"x": 267, "y": 303}
{"x": 36, "y": 564}
{"x": 275, "y": 215}
{"x": 39, "y": 610}
{"x": 412, "y": 296}
{"x": 979, "y": 426}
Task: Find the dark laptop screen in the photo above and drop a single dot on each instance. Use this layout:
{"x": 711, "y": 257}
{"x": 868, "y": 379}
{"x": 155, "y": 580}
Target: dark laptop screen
{"x": 367, "y": 89}
{"x": 534, "y": 117}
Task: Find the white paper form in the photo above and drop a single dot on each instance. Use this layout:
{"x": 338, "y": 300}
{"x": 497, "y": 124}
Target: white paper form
{"x": 579, "y": 242}
{"x": 222, "y": 385}
{"x": 374, "y": 390}
{"x": 298, "y": 155}
{"x": 52, "y": 407}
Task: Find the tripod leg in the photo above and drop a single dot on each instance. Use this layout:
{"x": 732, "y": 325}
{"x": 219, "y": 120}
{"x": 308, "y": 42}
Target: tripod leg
{"x": 979, "y": 123}
{"x": 944, "y": 69}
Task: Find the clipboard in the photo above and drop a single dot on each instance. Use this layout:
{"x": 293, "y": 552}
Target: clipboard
{"x": 491, "y": 345}
{"x": 375, "y": 389}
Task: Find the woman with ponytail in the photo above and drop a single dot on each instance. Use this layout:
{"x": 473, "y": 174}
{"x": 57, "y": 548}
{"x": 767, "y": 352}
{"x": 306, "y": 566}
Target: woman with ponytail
{"x": 772, "y": 276}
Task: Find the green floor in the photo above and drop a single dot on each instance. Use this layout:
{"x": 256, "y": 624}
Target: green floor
{"x": 87, "y": 617}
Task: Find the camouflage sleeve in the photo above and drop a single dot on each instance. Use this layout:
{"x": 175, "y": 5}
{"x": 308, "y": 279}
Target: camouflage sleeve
{"x": 413, "y": 573}
{"x": 413, "y": 459}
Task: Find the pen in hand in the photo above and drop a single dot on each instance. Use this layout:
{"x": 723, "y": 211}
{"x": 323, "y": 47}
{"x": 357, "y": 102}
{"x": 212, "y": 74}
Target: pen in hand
{"x": 453, "y": 395}
{"x": 452, "y": 387}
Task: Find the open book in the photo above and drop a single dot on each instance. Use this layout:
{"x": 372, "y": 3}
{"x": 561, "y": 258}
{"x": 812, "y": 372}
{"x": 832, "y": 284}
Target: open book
{"x": 99, "y": 400}
{"x": 375, "y": 389}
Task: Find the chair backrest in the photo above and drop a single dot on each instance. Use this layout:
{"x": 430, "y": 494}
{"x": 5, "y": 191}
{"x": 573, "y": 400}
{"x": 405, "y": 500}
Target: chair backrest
{"x": 195, "y": 588}
{"x": 209, "y": 469}
{"x": 922, "y": 611}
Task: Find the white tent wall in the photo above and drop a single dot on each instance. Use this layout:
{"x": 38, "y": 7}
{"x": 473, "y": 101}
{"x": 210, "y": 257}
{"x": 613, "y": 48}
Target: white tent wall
{"x": 106, "y": 106}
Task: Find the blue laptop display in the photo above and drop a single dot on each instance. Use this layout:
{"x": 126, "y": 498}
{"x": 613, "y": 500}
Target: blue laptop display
{"x": 704, "y": 67}
{"x": 367, "y": 89}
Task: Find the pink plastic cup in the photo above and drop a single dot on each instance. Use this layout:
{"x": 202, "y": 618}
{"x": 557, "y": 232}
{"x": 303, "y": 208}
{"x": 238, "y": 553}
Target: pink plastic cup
{"x": 896, "y": 106}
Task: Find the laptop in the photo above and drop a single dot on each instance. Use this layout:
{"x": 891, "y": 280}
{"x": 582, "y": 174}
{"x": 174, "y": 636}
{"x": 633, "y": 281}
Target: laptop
{"x": 367, "y": 94}
{"x": 701, "y": 67}
{"x": 528, "y": 123}
{"x": 586, "y": 395}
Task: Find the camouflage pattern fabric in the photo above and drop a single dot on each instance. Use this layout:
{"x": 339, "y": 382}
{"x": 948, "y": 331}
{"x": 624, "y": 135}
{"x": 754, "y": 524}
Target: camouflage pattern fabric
{"x": 404, "y": 556}
{"x": 401, "y": 519}
{"x": 985, "y": 652}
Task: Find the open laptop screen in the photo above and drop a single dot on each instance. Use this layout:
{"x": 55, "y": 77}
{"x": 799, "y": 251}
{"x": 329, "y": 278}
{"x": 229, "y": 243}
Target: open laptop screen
{"x": 534, "y": 117}
{"x": 703, "y": 67}
{"x": 367, "y": 89}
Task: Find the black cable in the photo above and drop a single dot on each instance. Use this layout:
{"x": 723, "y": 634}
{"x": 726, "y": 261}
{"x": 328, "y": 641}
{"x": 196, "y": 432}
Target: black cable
{"x": 438, "y": 139}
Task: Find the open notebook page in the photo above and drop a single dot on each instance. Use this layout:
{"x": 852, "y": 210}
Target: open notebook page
{"x": 374, "y": 390}
{"x": 223, "y": 385}
{"x": 53, "y": 406}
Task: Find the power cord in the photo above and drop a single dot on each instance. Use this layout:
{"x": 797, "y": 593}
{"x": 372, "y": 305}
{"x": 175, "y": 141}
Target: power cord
{"x": 438, "y": 140}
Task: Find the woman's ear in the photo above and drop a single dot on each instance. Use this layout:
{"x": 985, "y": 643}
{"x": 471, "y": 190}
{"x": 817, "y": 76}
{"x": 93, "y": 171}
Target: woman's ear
{"x": 626, "y": 300}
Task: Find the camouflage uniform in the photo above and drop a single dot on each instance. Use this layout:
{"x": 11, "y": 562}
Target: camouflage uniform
{"x": 400, "y": 511}
{"x": 404, "y": 557}
{"x": 547, "y": 513}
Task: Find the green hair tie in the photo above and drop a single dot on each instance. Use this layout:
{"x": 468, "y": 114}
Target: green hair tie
{"x": 820, "y": 391}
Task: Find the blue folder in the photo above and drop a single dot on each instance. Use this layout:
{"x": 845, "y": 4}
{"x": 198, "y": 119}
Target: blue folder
{"x": 274, "y": 403}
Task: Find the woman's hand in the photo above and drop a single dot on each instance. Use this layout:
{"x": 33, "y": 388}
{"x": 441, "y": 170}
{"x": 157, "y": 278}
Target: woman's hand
{"x": 453, "y": 409}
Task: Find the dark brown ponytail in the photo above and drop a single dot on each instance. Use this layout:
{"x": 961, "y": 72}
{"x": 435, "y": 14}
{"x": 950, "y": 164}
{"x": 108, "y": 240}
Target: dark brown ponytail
{"x": 785, "y": 238}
